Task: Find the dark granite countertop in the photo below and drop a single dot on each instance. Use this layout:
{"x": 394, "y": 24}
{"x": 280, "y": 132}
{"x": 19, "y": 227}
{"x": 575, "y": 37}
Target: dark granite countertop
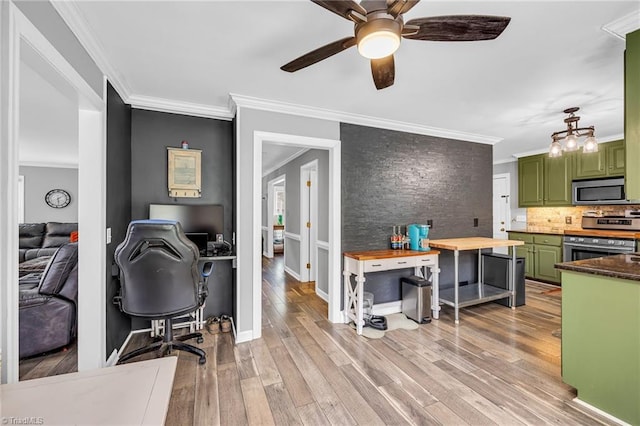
{"x": 623, "y": 266}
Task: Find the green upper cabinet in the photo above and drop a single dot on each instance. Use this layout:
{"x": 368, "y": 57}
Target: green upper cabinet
{"x": 632, "y": 115}
{"x": 557, "y": 180}
{"x": 607, "y": 162}
{"x": 530, "y": 181}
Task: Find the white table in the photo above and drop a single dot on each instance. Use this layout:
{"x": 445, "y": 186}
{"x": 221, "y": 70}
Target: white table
{"x": 133, "y": 394}
{"x": 360, "y": 262}
{"x": 479, "y": 292}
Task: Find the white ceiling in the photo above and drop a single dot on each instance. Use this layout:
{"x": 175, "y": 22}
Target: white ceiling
{"x": 48, "y": 119}
{"x": 553, "y": 55}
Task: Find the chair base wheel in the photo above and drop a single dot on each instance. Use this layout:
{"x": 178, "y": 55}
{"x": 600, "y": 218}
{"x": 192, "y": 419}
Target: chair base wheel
{"x": 199, "y": 340}
{"x": 202, "y": 361}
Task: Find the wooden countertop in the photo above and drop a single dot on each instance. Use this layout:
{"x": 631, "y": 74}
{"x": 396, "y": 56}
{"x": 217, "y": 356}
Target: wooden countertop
{"x": 603, "y": 233}
{"x": 387, "y": 254}
{"x": 472, "y": 243}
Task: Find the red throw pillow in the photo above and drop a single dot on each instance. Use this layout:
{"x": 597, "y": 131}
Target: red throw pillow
{"x": 74, "y": 237}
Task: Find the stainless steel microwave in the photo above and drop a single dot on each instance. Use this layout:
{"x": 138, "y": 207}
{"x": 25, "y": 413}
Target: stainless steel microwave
{"x": 599, "y": 191}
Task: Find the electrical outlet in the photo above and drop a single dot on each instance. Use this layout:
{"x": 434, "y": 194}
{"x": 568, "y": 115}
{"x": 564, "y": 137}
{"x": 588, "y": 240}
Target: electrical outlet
{"x": 430, "y": 223}
{"x": 475, "y": 222}
{"x": 219, "y": 238}
{"x": 567, "y": 220}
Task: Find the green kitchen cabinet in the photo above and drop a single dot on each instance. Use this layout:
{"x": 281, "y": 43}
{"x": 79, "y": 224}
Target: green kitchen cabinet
{"x": 558, "y": 173}
{"x": 530, "y": 181}
{"x": 541, "y": 252}
{"x": 615, "y": 158}
{"x": 632, "y": 115}
{"x": 609, "y": 161}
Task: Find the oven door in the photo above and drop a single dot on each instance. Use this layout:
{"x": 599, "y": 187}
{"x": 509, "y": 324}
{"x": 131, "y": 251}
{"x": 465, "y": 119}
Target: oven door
{"x": 574, "y": 251}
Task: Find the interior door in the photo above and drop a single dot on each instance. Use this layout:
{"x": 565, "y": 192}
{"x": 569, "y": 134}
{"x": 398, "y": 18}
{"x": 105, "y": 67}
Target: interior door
{"x": 501, "y": 209}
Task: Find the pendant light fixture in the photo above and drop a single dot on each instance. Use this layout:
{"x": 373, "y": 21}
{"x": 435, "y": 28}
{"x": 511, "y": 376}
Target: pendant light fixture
{"x": 570, "y": 136}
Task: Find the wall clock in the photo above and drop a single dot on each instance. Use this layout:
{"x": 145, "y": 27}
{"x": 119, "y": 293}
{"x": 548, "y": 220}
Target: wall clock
{"x": 57, "y": 198}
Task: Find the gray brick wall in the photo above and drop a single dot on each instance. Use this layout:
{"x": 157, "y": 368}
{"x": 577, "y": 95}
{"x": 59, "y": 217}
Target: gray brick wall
{"x": 396, "y": 178}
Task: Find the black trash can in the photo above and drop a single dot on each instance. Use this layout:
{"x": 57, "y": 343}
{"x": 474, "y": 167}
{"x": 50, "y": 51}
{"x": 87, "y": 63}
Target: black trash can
{"x": 416, "y": 298}
{"x": 496, "y": 272}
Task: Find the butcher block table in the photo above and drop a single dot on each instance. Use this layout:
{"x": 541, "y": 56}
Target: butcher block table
{"x": 360, "y": 262}
{"x": 479, "y": 292}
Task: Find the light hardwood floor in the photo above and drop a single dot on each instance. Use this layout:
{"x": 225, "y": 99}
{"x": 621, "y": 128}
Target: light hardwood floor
{"x": 498, "y": 366}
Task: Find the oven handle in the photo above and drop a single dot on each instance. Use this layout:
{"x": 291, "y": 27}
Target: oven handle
{"x": 607, "y": 248}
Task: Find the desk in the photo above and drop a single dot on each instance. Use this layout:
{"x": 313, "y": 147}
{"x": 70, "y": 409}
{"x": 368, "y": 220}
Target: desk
{"x": 217, "y": 303}
{"x": 479, "y": 292}
{"x": 136, "y": 393}
{"x": 360, "y": 262}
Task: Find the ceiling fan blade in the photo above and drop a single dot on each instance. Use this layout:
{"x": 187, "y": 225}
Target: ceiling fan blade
{"x": 458, "y": 27}
{"x": 319, "y": 54}
{"x": 344, "y": 8}
{"x": 383, "y": 71}
{"x": 398, "y": 7}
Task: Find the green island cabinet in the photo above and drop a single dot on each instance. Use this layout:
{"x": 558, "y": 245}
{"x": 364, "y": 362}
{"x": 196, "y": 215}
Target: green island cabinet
{"x": 545, "y": 181}
{"x": 541, "y": 252}
{"x": 632, "y": 115}
{"x": 601, "y": 342}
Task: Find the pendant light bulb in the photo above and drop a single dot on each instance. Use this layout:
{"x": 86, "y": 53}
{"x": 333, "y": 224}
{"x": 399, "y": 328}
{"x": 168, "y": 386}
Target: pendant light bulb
{"x": 590, "y": 144}
{"x": 555, "y": 150}
{"x": 571, "y": 143}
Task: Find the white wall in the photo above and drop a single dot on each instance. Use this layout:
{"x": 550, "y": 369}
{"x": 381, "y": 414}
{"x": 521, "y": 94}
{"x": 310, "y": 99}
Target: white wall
{"x": 512, "y": 169}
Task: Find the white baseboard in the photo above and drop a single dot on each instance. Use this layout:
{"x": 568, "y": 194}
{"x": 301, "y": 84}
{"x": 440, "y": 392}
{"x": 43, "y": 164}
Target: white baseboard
{"x": 244, "y": 336}
{"x": 292, "y": 273}
{"x": 322, "y": 295}
{"x": 602, "y": 413}
{"x": 387, "y": 308}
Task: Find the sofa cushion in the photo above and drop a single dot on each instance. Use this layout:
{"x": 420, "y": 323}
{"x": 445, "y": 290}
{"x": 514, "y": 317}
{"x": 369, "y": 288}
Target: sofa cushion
{"x": 39, "y": 252}
{"x": 58, "y": 269}
{"x": 31, "y": 235}
{"x": 58, "y": 234}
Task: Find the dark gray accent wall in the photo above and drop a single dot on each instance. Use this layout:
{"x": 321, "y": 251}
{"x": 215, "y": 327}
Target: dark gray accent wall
{"x": 118, "y": 214}
{"x": 45, "y": 17}
{"x": 151, "y": 133}
{"x": 396, "y": 178}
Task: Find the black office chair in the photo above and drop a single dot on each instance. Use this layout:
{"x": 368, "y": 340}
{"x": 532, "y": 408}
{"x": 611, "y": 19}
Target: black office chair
{"x": 159, "y": 279}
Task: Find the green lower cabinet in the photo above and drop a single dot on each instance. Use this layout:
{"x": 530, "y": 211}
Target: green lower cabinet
{"x": 601, "y": 342}
{"x": 544, "y": 264}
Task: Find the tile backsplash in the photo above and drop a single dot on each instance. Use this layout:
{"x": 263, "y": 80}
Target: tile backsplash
{"x": 554, "y": 219}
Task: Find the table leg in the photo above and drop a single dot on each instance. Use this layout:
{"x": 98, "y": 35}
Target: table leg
{"x": 346, "y": 283}
{"x": 480, "y": 286}
{"x": 456, "y": 254}
{"x": 360, "y": 297}
{"x": 512, "y": 281}
{"x": 435, "y": 290}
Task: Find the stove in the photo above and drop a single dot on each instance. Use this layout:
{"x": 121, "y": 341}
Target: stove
{"x": 588, "y": 247}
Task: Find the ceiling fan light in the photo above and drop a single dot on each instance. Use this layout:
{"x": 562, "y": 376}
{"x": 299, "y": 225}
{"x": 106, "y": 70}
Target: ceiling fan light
{"x": 555, "y": 150}
{"x": 590, "y": 144}
{"x": 379, "y": 44}
{"x": 571, "y": 143}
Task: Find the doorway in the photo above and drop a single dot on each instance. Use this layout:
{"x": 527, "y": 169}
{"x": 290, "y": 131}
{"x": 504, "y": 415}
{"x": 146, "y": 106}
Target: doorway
{"x": 501, "y": 208}
{"x": 276, "y": 202}
{"x": 22, "y": 40}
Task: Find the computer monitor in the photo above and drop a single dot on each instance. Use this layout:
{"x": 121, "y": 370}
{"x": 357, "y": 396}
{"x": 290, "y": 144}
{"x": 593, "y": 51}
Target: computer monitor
{"x": 200, "y": 218}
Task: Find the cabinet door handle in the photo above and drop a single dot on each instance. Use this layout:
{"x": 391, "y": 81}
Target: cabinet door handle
{"x": 377, "y": 264}
{"x": 401, "y": 263}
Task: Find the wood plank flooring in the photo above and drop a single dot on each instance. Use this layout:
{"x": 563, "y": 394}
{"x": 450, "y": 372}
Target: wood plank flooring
{"x": 498, "y": 366}
{"x": 62, "y": 361}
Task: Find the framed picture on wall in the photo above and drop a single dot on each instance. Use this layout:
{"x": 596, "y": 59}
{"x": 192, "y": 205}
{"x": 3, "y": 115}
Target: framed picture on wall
{"x": 184, "y": 172}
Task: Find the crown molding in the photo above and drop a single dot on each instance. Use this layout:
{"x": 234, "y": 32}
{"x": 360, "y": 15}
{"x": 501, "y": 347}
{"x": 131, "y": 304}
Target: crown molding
{"x": 243, "y": 101}
{"x": 178, "y": 107}
{"x": 285, "y": 161}
{"x": 623, "y": 26}
{"x": 76, "y": 21}
{"x": 504, "y": 161}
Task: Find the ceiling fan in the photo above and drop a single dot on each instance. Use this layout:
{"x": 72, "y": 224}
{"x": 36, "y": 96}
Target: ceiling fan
{"x": 379, "y": 27}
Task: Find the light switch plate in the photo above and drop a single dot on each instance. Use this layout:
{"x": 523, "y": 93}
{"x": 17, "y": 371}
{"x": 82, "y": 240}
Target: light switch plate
{"x": 108, "y": 235}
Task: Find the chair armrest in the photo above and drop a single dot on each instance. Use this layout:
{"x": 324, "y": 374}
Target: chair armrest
{"x": 207, "y": 268}
{"x": 31, "y": 298}
{"x": 203, "y": 290}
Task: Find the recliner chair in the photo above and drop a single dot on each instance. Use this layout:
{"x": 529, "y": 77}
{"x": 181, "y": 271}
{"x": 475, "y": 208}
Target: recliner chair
{"x": 48, "y": 311}
{"x": 159, "y": 279}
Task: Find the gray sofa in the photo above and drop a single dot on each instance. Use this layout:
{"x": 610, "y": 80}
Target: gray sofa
{"x": 43, "y": 239}
{"x": 48, "y": 311}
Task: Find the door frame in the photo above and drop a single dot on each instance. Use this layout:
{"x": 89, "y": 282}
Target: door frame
{"x": 270, "y": 204}
{"x": 15, "y": 28}
{"x": 507, "y": 177}
{"x": 308, "y": 209}
{"x": 335, "y": 282}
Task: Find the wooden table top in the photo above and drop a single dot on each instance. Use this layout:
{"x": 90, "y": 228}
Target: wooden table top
{"x": 472, "y": 243}
{"x": 387, "y": 254}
